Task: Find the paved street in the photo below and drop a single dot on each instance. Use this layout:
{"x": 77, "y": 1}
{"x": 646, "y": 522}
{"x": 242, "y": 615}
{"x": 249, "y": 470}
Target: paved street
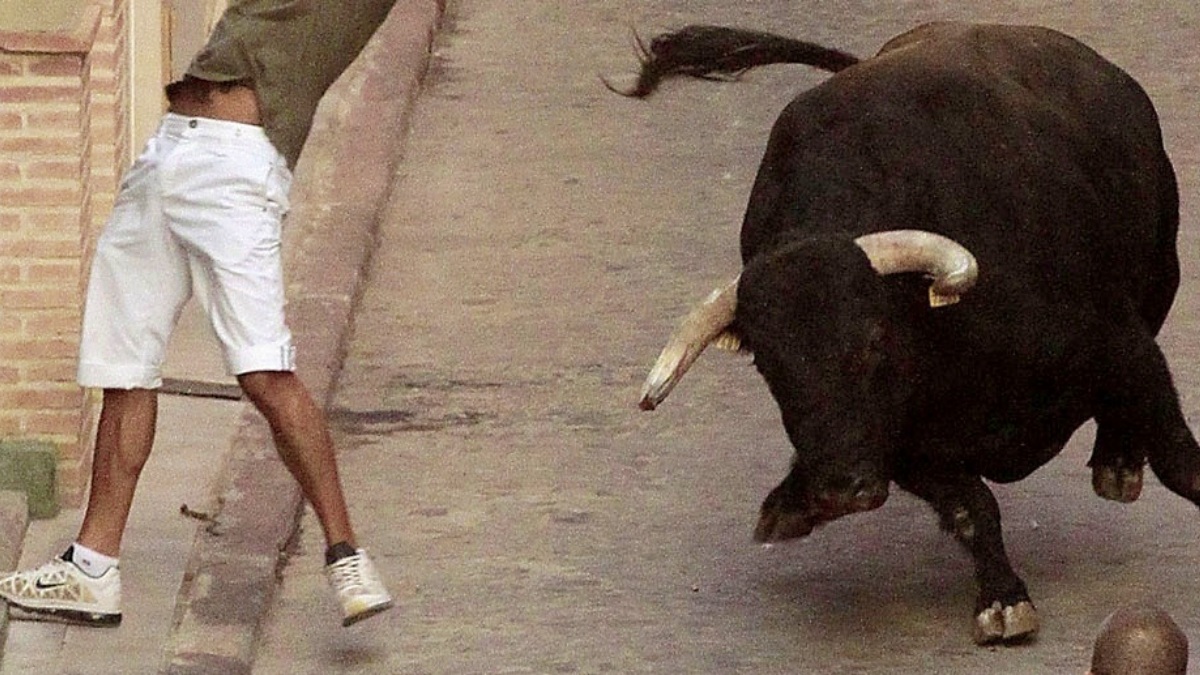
{"x": 543, "y": 237}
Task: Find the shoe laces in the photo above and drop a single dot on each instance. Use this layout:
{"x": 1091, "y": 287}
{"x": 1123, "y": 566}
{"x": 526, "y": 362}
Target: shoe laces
{"x": 351, "y": 572}
{"x": 55, "y": 571}
{"x": 58, "y": 571}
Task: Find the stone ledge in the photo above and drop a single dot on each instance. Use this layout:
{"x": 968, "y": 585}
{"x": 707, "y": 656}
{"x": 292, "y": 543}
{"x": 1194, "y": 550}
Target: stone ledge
{"x": 14, "y": 518}
{"x": 62, "y": 27}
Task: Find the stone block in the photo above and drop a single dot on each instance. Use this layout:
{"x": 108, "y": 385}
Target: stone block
{"x": 29, "y": 467}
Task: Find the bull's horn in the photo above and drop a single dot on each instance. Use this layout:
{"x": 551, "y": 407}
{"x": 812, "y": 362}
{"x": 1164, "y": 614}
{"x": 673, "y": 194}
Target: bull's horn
{"x": 951, "y": 265}
{"x": 702, "y": 326}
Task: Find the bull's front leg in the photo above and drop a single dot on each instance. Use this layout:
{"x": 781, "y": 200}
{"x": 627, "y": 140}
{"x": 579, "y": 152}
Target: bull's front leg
{"x": 968, "y": 510}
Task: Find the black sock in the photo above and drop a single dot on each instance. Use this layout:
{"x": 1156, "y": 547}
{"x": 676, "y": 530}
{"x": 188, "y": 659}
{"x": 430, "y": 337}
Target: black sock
{"x": 338, "y": 551}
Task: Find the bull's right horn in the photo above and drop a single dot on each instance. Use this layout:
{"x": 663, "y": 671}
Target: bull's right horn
{"x": 949, "y": 263}
{"x": 703, "y": 325}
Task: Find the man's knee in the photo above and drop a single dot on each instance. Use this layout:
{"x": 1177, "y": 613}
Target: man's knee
{"x": 267, "y": 388}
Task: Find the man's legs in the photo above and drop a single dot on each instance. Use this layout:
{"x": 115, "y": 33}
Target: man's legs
{"x": 123, "y": 440}
{"x": 84, "y": 584}
{"x": 138, "y": 282}
{"x": 304, "y": 444}
{"x": 235, "y": 254}
{"x": 189, "y": 215}
{"x": 306, "y": 448}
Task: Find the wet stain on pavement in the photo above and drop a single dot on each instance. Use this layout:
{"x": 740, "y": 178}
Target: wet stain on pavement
{"x": 391, "y": 421}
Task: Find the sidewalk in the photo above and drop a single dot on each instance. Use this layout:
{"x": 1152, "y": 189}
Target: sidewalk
{"x": 196, "y": 590}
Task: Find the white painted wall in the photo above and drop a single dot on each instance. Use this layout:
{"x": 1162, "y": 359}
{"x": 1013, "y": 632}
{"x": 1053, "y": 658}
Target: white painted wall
{"x": 164, "y": 35}
{"x": 147, "y": 32}
{"x": 192, "y": 20}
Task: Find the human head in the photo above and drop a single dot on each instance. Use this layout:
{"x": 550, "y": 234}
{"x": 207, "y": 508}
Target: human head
{"x": 1140, "y": 640}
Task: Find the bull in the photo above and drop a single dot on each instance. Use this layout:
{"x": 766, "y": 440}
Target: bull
{"x": 954, "y": 254}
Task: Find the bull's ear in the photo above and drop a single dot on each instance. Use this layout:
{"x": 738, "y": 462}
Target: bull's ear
{"x": 730, "y": 340}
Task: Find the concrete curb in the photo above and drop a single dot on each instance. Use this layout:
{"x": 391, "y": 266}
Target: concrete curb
{"x": 14, "y": 518}
{"x": 234, "y": 566}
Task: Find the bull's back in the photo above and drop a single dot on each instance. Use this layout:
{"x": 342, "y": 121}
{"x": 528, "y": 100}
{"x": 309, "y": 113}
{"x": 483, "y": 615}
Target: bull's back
{"x": 1026, "y": 146}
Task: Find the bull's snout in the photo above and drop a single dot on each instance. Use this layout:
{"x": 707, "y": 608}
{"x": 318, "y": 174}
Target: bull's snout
{"x": 780, "y": 520}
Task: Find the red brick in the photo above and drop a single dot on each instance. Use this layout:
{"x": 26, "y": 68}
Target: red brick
{"x": 37, "y": 298}
{"x": 51, "y": 218}
{"x": 10, "y": 121}
{"x": 10, "y": 171}
{"x": 10, "y": 272}
{"x": 43, "y": 248}
{"x": 56, "y": 271}
{"x": 68, "y": 106}
{"x": 10, "y": 423}
{"x": 56, "y": 370}
{"x": 62, "y": 93}
{"x": 55, "y": 65}
{"x": 51, "y": 398}
{"x": 64, "y": 119}
{"x": 51, "y": 169}
{"x": 39, "y": 195}
{"x": 57, "y": 422}
{"x": 12, "y": 351}
{"x": 58, "y": 323}
{"x": 66, "y": 145}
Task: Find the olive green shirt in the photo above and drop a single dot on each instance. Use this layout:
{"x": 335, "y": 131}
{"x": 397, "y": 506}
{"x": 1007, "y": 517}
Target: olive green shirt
{"x": 290, "y": 51}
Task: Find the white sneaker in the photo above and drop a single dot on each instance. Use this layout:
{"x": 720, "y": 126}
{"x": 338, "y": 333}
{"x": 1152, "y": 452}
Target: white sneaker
{"x": 60, "y": 590}
{"x": 358, "y": 588}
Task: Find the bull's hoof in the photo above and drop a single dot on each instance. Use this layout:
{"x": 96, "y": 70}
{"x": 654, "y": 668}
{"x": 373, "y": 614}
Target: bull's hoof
{"x": 1014, "y": 623}
{"x": 1120, "y": 484}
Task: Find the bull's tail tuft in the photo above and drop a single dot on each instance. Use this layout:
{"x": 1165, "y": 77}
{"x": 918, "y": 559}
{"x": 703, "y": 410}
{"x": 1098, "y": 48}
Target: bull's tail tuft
{"x": 717, "y": 52}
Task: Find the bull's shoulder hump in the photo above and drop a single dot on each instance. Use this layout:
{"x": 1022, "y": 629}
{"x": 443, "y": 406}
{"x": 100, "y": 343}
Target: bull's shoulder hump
{"x": 942, "y": 36}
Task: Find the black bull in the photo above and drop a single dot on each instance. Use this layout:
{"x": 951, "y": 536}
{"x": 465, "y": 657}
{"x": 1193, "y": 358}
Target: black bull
{"x": 1012, "y": 166}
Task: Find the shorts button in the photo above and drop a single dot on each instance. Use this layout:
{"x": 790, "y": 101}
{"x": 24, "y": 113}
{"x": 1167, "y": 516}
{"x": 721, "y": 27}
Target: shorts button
{"x": 193, "y": 124}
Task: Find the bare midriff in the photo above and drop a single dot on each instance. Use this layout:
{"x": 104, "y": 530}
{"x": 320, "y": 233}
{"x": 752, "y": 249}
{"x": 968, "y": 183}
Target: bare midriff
{"x": 219, "y": 101}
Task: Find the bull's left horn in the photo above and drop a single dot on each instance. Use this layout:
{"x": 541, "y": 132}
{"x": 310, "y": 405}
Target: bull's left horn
{"x": 951, "y": 265}
{"x": 701, "y": 326}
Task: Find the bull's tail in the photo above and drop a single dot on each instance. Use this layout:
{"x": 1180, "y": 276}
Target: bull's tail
{"x": 716, "y": 52}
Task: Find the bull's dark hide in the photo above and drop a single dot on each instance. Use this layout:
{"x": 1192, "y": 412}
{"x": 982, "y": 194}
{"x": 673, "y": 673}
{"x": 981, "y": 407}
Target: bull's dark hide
{"x": 1045, "y": 162}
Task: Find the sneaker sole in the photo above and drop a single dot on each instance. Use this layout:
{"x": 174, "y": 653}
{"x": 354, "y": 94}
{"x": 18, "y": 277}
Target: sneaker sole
{"x": 367, "y": 613}
{"x": 75, "y": 617}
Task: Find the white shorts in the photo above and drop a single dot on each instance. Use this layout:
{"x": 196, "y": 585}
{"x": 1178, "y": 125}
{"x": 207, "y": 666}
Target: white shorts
{"x": 200, "y": 210}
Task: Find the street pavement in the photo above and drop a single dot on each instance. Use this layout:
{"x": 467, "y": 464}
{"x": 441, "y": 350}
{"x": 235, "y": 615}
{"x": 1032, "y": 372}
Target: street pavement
{"x": 543, "y": 236}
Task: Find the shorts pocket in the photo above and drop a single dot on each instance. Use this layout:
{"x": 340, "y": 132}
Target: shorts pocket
{"x": 276, "y": 187}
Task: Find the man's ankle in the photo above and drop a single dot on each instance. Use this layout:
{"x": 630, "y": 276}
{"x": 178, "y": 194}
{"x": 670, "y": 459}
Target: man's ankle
{"x": 340, "y": 550}
{"x": 90, "y": 562}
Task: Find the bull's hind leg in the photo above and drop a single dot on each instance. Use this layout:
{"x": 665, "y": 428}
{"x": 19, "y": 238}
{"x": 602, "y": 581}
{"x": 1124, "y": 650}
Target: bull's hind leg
{"x": 968, "y": 510}
{"x": 1139, "y": 418}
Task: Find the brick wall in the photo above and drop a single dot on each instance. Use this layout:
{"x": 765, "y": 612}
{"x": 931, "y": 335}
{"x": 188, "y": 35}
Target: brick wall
{"x": 63, "y": 144}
